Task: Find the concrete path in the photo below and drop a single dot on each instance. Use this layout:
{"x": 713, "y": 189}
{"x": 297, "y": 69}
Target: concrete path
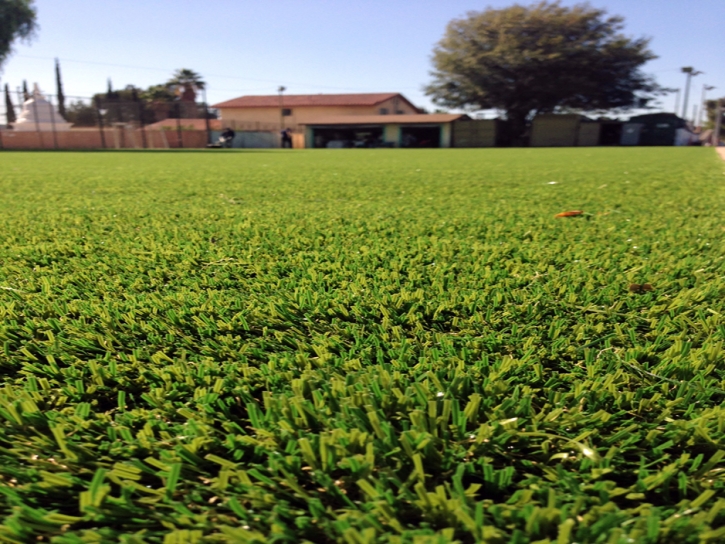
{"x": 721, "y": 151}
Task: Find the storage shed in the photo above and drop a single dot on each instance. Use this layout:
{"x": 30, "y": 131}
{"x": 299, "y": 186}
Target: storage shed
{"x": 659, "y": 128}
{"x": 475, "y": 133}
{"x": 631, "y": 133}
{"x": 589, "y": 133}
{"x": 554, "y": 130}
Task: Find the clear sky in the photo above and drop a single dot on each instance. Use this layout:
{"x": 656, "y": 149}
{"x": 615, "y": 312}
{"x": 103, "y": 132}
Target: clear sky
{"x": 313, "y": 46}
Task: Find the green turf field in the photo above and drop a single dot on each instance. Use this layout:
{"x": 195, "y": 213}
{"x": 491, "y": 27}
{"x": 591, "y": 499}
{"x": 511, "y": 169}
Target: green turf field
{"x": 362, "y": 346}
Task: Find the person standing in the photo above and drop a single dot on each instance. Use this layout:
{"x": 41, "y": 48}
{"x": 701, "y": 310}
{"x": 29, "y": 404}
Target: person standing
{"x": 286, "y": 138}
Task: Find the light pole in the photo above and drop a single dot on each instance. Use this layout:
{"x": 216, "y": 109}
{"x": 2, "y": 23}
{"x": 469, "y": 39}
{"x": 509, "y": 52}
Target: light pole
{"x": 703, "y": 106}
{"x": 690, "y": 71}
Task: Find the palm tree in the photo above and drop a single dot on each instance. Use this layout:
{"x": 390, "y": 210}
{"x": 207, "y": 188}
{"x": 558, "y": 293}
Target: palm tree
{"x": 185, "y": 83}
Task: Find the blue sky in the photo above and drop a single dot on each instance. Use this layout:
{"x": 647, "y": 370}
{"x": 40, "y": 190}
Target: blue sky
{"x": 313, "y": 46}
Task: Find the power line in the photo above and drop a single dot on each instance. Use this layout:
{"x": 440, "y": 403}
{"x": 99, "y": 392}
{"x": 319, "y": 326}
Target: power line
{"x": 134, "y": 67}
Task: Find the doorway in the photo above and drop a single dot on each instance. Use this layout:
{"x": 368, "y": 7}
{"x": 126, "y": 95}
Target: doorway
{"x": 420, "y": 136}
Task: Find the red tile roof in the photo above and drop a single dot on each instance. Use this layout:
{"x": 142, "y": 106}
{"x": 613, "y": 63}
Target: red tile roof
{"x": 298, "y": 100}
{"x": 186, "y": 124}
{"x": 409, "y": 119}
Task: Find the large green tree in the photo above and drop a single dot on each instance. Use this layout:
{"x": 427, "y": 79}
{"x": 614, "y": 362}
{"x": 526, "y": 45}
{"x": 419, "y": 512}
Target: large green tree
{"x": 17, "y": 21}
{"x": 540, "y": 58}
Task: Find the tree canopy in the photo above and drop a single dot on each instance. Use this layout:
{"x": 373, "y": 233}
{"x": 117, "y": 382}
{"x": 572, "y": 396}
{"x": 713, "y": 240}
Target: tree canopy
{"x": 175, "y": 98}
{"x": 711, "y": 111}
{"x": 17, "y": 21}
{"x": 541, "y": 58}
{"x": 186, "y": 83}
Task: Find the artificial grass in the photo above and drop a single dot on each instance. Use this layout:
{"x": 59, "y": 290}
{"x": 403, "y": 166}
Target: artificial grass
{"x": 362, "y": 346}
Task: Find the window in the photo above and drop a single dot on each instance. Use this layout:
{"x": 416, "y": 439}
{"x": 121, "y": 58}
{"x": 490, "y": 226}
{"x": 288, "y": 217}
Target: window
{"x": 286, "y": 112}
{"x": 383, "y": 111}
{"x": 399, "y": 112}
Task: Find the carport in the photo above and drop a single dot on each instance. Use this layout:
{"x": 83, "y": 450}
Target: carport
{"x": 357, "y": 131}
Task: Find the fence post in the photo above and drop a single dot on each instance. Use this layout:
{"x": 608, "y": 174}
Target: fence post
{"x": 206, "y": 118}
{"x": 141, "y": 123}
{"x": 179, "y": 137}
{"x": 208, "y": 128}
{"x": 100, "y": 122}
{"x": 37, "y": 123}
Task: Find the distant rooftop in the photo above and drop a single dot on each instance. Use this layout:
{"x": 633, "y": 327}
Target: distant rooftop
{"x": 300, "y": 100}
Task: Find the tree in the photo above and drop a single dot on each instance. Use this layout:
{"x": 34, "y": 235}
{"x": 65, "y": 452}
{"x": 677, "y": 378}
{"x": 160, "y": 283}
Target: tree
{"x": 158, "y": 93}
{"x": 59, "y": 91}
{"x": 120, "y": 106}
{"x": 175, "y": 98}
{"x": 541, "y": 58}
{"x": 111, "y": 95}
{"x": 81, "y": 114}
{"x": 9, "y": 108}
{"x": 26, "y": 94}
{"x": 17, "y": 21}
{"x": 711, "y": 108}
{"x": 185, "y": 83}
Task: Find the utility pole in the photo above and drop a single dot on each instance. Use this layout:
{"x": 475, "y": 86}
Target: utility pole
{"x": 690, "y": 71}
{"x": 281, "y": 89}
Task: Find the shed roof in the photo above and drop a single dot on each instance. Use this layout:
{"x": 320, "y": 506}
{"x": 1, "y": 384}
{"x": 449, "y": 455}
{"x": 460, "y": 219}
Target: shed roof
{"x": 298, "y": 100}
{"x": 404, "y": 119}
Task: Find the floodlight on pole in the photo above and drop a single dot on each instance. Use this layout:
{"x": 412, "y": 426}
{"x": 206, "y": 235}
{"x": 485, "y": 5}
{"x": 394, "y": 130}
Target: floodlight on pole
{"x": 690, "y": 71}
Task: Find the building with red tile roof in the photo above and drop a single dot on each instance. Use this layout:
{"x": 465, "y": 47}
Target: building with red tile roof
{"x": 292, "y": 111}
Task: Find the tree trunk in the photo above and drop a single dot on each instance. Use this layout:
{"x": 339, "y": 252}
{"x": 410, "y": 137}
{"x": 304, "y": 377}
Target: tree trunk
{"x": 518, "y": 125}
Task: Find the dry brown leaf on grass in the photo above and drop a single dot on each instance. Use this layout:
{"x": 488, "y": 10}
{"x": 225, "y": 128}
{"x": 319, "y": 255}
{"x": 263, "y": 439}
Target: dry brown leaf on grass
{"x": 640, "y": 287}
{"x": 572, "y": 213}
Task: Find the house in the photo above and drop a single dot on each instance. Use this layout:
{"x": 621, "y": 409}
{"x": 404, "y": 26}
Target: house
{"x": 341, "y": 120}
{"x": 272, "y": 112}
